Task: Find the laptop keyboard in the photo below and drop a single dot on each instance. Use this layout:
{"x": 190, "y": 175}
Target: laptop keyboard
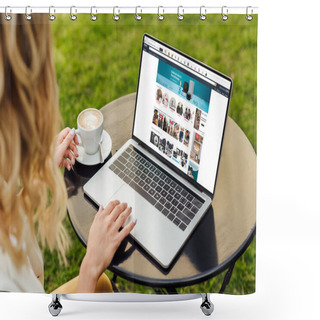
{"x": 178, "y": 204}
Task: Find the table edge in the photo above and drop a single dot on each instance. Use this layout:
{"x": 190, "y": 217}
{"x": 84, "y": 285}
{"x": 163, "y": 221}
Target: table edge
{"x": 183, "y": 282}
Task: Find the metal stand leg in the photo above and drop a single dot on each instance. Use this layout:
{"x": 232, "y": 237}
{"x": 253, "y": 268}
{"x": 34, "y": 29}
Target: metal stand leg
{"x": 113, "y": 283}
{"x": 170, "y": 290}
{"x": 55, "y": 306}
{"x": 227, "y": 278}
{"x": 206, "y": 305}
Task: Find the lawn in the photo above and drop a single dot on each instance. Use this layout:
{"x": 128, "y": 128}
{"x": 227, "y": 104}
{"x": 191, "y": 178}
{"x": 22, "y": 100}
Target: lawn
{"x": 97, "y": 62}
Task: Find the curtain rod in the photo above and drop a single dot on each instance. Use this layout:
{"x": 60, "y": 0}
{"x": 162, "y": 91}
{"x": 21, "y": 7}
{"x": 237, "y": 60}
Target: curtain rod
{"x": 160, "y": 10}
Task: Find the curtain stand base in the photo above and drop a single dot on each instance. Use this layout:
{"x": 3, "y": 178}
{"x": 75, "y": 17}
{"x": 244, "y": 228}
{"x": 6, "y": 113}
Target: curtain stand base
{"x": 55, "y": 306}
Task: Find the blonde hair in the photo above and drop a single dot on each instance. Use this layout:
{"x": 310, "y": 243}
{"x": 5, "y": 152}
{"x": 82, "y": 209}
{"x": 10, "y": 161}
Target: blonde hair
{"x": 32, "y": 189}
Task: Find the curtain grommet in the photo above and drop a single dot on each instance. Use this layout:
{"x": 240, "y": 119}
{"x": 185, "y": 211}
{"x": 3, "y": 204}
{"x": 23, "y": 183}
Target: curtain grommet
{"x": 73, "y": 16}
{"x": 180, "y": 13}
{"x": 6, "y": 15}
{"x": 52, "y": 16}
{"x": 28, "y": 14}
{"x": 116, "y": 16}
{"x": 138, "y": 16}
{"x": 249, "y": 17}
{"x": 224, "y": 13}
{"x": 93, "y": 17}
{"x": 203, "y": 13}
{"x": 160, "y": 16}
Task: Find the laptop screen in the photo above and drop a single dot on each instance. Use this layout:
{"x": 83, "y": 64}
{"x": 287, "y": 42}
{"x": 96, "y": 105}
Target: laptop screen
{"x": 181, "y": 111}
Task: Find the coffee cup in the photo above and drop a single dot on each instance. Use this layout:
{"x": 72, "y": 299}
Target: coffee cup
{"x": 90, "y": 129}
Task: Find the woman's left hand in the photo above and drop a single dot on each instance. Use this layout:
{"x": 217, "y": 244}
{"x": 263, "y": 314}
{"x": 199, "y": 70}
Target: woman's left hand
{"x": 66, "y": 149}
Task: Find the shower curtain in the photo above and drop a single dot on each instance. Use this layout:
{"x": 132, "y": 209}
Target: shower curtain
{"x": 97, "y": 65}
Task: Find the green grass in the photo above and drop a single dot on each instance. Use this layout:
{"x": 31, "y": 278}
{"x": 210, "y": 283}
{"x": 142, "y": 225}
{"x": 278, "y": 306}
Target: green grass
{"x": 97, "y": 62}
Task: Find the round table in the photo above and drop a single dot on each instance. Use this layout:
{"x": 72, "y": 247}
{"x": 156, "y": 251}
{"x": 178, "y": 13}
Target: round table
{"x": 222, "y": 235}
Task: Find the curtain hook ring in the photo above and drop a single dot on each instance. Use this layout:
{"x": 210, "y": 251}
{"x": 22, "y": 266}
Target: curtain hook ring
{"x": 224, "y": 16}
{"x": 160, "y": 16}
{"x": 116, "y": 17}
{"x": 180, "y": 14}
{"x": 6, "y": 15}
{"x": 28, "y": 15}
{"x": 73, "y": 17}
{"x": 52, "y": 16}
{"x": 249, "y": 17}
{"x": 138, "y": 16}
{"x": 203, "y": 13}
{"x": 93, "y": 17}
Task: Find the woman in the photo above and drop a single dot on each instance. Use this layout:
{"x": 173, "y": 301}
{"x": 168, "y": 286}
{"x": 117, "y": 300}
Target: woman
{"x": 32, "y": 190}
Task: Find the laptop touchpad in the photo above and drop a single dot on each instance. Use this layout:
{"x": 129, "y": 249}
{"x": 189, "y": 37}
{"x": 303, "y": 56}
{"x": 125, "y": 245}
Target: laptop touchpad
{"x": 101, "y": 187}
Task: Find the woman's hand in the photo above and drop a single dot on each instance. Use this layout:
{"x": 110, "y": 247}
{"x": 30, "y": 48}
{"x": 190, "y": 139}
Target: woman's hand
{"x": 66, "y": 149}
{"x": 103, "y": 241}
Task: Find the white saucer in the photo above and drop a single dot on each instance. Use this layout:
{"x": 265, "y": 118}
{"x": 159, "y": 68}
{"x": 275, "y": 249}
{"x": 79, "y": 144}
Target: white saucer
{"x": 93, "y": 159}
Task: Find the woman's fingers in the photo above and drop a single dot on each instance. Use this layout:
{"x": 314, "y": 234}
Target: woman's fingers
{"x": 116, "y": 214}
{"x": 100, "y": 209}
{"x": 118, "y": 210}
{"x": 127, "y": 229}
{"x": 67, "y": 139}
{"x": 76, "y": 139}
{"x": 74, "y": 149}
{"x": 65, "y": 164}
{"x": 63, "y": 134}
{"x": 122, "y": 218}
{"x": 68, "y": 154}
{"x": 110, "y": 206}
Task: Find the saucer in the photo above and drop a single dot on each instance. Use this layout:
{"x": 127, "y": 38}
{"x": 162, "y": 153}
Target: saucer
{"x": 93, "y": 159}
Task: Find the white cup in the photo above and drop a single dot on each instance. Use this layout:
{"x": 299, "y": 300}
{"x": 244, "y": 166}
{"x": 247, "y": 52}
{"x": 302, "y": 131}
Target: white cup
{"x": 90, "y": 129}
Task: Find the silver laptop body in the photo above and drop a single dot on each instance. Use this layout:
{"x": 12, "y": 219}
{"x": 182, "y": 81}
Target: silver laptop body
{"x": 173, "y": 156}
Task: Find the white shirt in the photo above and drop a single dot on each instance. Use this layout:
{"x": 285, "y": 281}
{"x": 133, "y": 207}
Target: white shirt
{"x": 27, "y": 278}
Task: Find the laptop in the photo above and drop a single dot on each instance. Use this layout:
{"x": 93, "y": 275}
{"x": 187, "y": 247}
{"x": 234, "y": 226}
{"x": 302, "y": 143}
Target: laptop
{"x": 167, "y": 171}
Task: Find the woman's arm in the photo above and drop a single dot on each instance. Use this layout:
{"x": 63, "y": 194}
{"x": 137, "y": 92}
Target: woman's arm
{"x": 103, "y": 241}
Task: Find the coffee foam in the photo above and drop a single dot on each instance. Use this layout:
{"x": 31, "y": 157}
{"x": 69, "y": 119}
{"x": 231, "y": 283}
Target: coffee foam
{"x": 90, "y": 119}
